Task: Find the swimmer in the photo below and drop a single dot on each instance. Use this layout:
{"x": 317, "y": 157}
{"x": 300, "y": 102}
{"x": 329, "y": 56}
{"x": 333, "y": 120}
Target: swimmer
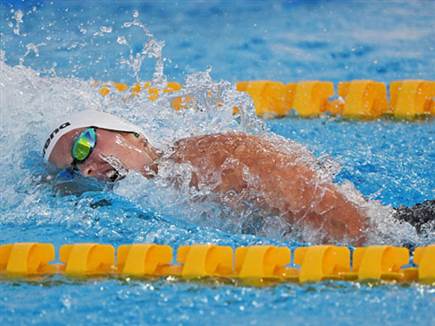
{"x": 105, "y": 147}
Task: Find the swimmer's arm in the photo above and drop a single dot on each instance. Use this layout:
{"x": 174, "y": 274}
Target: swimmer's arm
{"x": 340, "y": 217}
{"x": 322, "y": 206}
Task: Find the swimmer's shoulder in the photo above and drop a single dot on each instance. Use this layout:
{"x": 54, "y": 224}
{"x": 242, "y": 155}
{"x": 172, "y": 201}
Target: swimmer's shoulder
{"x": 208, "y": 144}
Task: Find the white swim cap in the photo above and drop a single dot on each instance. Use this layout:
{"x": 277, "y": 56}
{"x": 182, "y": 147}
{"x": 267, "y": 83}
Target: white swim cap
{"x": 84, "y": 119}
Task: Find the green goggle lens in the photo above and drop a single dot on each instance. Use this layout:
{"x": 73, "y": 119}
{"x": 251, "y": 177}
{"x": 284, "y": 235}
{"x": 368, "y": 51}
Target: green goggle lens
{"x": 84, "y": 144}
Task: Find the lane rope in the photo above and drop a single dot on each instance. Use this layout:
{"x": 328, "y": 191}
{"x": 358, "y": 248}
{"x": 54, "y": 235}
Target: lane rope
{"x": 357, "y": 99}
{"x": 303, "y": 264}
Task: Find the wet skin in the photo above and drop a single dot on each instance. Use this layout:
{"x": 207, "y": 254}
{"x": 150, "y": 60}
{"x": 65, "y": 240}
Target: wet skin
{"x": 245, "y": 166}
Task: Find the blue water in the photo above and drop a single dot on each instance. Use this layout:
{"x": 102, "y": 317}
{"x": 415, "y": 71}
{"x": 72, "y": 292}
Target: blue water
{"x": 278, "y": 40}
{"x": 388, "y": 161}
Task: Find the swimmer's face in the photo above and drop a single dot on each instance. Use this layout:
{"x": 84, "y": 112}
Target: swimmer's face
{"x": 114, "y": 151}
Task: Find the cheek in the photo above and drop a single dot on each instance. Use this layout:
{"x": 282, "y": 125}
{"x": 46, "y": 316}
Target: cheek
{"x": 123, "y": 151}
{"x": 126, "y": 155}
{"x": 133, "y": 156}
{"x": 61, "y": 157}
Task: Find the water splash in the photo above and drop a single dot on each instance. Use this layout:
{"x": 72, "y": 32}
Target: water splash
{"x": 18, "y": 17}
{"x": 151, "y": 49}
{"x": 31, "y": 48}
{"x": 103, "y": 30}
{"x": 33, "y": 104}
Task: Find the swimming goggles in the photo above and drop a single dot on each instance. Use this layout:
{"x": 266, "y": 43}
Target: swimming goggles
{"x": 81, "y": 149}
{"x": 83, "y": 146}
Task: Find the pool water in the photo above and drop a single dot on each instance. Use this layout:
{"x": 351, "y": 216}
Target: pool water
{"x": 52, "y": 51}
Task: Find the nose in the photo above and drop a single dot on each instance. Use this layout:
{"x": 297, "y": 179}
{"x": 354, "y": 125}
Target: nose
{"x": 89, "y": 172}
{"x": 93, "y": 169}
{"x": 88, "y": 169}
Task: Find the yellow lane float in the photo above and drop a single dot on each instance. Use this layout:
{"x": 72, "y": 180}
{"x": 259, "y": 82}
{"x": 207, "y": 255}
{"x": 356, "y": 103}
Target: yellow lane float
{"x": 27, "y": 258}
{"x": 270, "y": 98}
{"x": 320, "y": 263}
{"x": 261, "y": 261}
{"x": 363, "y": 99}
{"x": 204, "y": 260}
{"x": 311, "y": 97}
{"x": 144, "y": 259}
{"x": 410, "y": 98}
{"x": 424, "y": 258}
{"x": 379, "y": 263}
{"x": 310, "y": 264}
{"x": 87, "y": 259}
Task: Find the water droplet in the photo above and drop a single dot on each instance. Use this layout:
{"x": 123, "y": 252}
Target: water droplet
{"x": 18, "y": 17}
{"x": 106, "y": 29}
{"x": 121, "y": 40}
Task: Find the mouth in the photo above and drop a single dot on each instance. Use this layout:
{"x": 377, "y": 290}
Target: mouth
{"x": 114, "y": 176}
{"x": 117, "y": 171}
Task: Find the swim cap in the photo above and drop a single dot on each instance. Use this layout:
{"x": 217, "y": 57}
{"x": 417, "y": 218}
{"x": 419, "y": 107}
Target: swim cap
{"x": 84, "y": 119}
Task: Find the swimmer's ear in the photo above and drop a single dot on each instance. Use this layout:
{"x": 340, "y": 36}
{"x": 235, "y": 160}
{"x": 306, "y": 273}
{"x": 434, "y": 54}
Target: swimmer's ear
{"x": 142, "y": 138}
